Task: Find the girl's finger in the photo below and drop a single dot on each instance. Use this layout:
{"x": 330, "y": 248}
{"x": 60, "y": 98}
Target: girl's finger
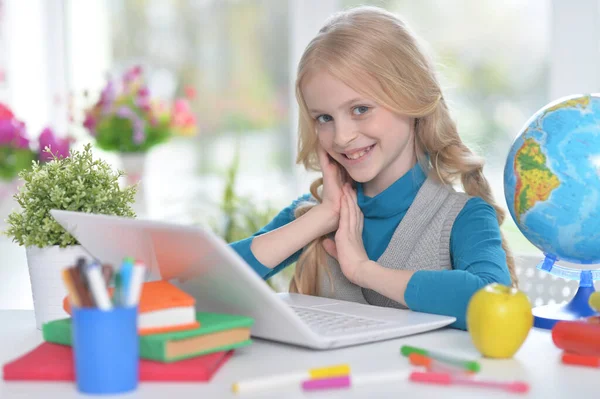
{"x": 343, "y": 225}
{"x": 352, "y": 194}
{"x": 351, "y": 210}
{"x": 361, "y": 220}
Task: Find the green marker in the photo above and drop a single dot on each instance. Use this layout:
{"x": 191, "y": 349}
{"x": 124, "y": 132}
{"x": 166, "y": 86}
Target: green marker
{"x": 468, "y": 365}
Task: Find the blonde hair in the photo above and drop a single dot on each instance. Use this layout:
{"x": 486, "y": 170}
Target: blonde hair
{"x": 368, "y": 44}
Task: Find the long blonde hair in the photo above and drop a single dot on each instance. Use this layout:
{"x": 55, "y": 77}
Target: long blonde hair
{"x": 368, "y": 44}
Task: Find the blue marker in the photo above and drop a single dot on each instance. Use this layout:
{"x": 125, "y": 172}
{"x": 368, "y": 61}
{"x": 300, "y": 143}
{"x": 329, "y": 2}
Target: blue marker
{"x": 125, "y": 272}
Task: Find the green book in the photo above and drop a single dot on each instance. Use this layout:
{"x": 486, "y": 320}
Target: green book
{"x": 217, "y": 333}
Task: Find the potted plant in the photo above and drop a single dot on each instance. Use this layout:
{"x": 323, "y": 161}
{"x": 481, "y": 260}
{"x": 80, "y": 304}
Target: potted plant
{"x": 17, "y": 153}
{"x": 126, "y": 119}
{"x": 75, "y": 183}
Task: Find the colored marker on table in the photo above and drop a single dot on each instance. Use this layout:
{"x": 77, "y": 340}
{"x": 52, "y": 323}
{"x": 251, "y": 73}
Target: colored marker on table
{"x": 580, "y": 360}
{"x": 355, "y": 380}
{"x": 273, "y": 381}
{"x": 453, "y": 379}
{"x": 470, "y": 365}
{"x": 435, "y": 365}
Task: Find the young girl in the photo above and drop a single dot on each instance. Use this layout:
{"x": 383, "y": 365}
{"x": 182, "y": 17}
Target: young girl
{"x": 383, "y": 225}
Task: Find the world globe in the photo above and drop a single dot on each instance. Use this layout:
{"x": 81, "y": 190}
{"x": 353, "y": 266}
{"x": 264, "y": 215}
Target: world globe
{"x": 552, "y": 189}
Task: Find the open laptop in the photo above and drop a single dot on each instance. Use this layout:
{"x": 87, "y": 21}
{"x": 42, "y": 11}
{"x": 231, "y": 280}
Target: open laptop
{"x": 202, "y": 264}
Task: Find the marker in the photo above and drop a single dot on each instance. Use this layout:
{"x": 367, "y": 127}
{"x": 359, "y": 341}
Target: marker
{"x": 135, "y": 287}
{"x": 450, "y": 379}
{"x": 581, "y": 360}
{"x": 125, "y": 272}
{"x": 470, "y": 365}
{"x": 73, "y": 297}
{"x": 273, "y": 381}
{"x": 355, "y": 380}
{"x": 97, "y": 287}
{"x": 117, "y": 296}
{"x": 435, "y": 365}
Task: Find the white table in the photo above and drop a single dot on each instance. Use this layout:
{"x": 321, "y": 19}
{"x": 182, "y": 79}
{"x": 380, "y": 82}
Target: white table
{"x": 537, "y": 362}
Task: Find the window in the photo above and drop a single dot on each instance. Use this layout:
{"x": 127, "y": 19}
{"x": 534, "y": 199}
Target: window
{"x": 233, "y": 55}
{"x": 493, "y": 60}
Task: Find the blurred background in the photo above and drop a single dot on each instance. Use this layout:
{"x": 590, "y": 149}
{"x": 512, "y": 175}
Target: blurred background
{"x": 234, "y": 62}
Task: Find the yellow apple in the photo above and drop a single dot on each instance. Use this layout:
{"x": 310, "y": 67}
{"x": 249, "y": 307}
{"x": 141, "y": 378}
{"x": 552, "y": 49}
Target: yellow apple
{"x": 498, "y": 320}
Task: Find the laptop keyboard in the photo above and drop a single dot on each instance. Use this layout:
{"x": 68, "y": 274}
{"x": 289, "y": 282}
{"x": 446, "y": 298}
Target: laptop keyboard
{"x": 328, "y": 323}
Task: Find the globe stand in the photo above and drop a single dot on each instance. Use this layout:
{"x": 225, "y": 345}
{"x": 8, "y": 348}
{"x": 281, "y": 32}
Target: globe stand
{"x": 547, "y": 316}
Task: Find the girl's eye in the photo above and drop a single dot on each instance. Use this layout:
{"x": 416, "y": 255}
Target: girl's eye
{"x": 324, "y": 118}
{"x": 361, "y": 109}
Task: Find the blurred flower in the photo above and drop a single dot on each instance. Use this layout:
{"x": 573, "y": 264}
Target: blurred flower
{"x": 5, "y": 112}
{"x": 184, "y": 121}
{"x": 16, "y": 152}
{"x": 126, "y": 118}
{"x": 59, "y": 147}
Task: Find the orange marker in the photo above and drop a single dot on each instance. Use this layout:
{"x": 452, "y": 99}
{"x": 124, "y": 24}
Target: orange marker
{"x": 73, "y": 297}
{"x": 580, "y": 360}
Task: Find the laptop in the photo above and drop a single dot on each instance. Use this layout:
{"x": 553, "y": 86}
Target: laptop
{"x": 202, "y": 264}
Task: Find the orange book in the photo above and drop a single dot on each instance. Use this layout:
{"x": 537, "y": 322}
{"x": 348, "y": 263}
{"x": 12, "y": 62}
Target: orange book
{"x": 163, "y": 308}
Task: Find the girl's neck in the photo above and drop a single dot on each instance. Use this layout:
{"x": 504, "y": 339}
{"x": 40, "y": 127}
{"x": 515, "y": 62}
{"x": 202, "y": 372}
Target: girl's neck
{"x": 390, "y": 174}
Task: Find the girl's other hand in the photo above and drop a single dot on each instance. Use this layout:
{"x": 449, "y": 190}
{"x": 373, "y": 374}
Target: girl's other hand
{"x": 348, "y": 247}
{"x": 333, "y": 183}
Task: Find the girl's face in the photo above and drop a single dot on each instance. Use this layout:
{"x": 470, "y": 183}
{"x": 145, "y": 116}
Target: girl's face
{"x": 372, "y": 143}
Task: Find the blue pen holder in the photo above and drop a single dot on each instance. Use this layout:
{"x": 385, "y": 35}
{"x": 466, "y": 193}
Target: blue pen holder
{"x": 105, "y": 350}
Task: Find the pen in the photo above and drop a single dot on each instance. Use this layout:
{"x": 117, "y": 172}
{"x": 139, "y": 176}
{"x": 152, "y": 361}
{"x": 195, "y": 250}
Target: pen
{"x": 470, "y": 365}
{"x": 272, "y": 381}
{"x": 435, "y": 365}
{"x": 355, "y": 380}
{"x": 449, "y": 379}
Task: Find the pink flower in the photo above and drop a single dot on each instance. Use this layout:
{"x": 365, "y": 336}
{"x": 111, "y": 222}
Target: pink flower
{"x": 58, "y": 146}
{"x": 184, "y": 120}
{"x": 90, "y": 123}
{"x": 5, "y": 112}
{"x": 12, "y": 132}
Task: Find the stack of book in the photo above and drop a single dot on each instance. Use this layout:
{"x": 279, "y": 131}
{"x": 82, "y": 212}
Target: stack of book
{"x": 176, "y": 342}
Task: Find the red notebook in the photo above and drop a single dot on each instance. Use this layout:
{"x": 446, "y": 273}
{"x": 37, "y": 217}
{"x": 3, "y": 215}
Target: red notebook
{"x": 52, "y": 362}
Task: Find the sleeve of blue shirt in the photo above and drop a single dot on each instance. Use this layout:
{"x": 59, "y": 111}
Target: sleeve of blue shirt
{"x": 477, "y": 260}
{"x": 242, "y": 247}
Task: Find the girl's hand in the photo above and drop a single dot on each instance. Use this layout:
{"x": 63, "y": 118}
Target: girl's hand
{"x": 348, "y": 247}
{"x": 332, "y": 187}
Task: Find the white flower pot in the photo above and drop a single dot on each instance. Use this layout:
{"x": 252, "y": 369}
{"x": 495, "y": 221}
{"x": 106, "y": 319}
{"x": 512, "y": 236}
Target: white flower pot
{"x": 134, "y": 166}
{"x": 45, "y": 273}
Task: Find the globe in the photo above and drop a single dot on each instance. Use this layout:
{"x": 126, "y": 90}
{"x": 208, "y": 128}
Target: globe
{"x": 552, "y": 189}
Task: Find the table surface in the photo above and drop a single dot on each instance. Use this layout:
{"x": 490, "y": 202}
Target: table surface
{"x": 537, "y": 362}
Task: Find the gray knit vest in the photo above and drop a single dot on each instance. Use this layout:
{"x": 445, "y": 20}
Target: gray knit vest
{"x": 420, "y": 242}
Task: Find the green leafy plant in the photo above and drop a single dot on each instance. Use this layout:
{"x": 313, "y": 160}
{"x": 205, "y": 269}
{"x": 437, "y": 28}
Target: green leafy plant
{"x": 76, "y": 183}
{"x": 241, "y": 217}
